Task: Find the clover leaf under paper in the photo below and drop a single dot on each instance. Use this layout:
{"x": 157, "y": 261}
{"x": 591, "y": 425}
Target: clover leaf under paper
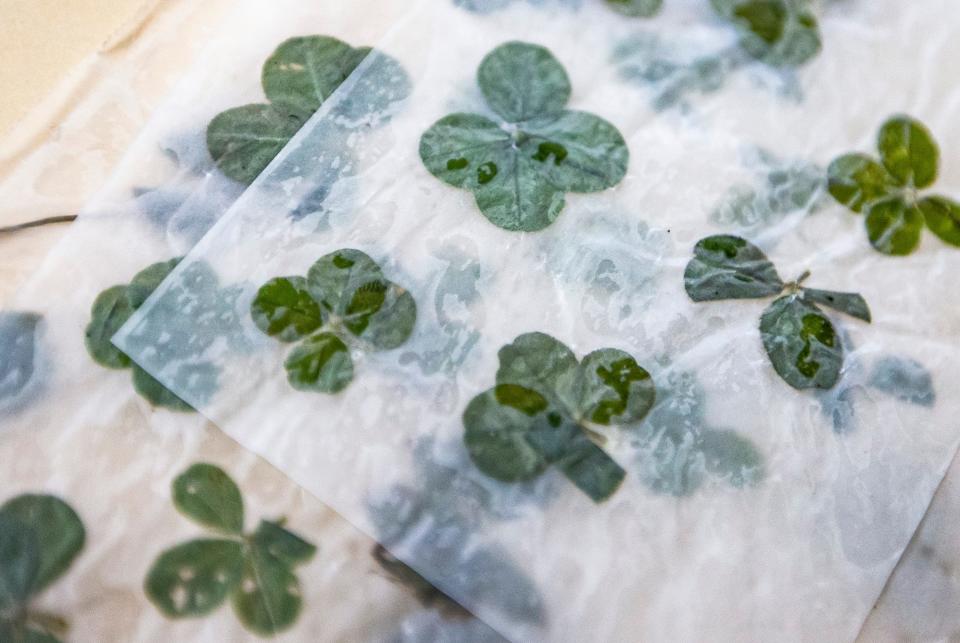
{"x": 678, "y": 449}
{"x": 345, "y": 300}
{"x": 40, "y": 536}
{"x": 111, "y": 310}
{"x": 798, "y": 337}
{"x": 544, "y": 408}
{"x": 255, "y": 571}
{"x": 519, "y": 166}
{"x": 18, "y": 345}
{"x": 636, "y": 8}
{"x": 297, "y": 79}
{"x": 780, "y": 33}
{"x": 888, "y": 191}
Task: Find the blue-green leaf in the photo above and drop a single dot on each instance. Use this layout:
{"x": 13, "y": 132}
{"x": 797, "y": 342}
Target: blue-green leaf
{"x": 522, "y": 81}
{"x": 852, "y": 304}
{"x": 729, "y": 267}
{"x": 58, "y": 533}
{"x": 801, "y": 342}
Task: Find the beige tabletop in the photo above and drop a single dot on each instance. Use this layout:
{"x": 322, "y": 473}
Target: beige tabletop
{"x": 44, "y": 39}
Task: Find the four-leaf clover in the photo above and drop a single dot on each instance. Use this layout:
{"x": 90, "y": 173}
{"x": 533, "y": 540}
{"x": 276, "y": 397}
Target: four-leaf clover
{"x": 543, "y": 406}
{"x": 780, "y": 33}
{"x": 40, "y": 536}
{"x": 519, "y": 166}
{"x": 344, "y": 299}
{"x": 254, "y": 570}
{"x": 888, "y": 191}
{"x": 297, "y": 78}
{"x": 799, "y": 339}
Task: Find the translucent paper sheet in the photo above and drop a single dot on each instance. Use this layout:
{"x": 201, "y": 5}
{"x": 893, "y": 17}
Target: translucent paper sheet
{"x": 73, "y": 428}
{"x": 793, "y": 533}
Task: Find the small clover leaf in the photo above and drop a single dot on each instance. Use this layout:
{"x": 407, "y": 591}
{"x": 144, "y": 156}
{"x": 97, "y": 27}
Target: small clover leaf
{"x": 908, "y": 152}
{"x": 285, "y": 309}
{"x": 321, "y": 363}
{"x": 888, "y": 190}
{"x": 611, "y": 388}
{"x": 40, "y": 536}
{"x": 208, "y": 495}
{"x": 282, "y": 544}
{"x": 297, "y": 78}
{"x": 636, "y": 8}
{"x": 268, "y": 599}
{"x": 541, "y": 411}
{"x": 905, "y": 379}
{"x": 111, "y": 310}
{"x": 255, "y": 571}
{"x": 801, "y": 342}
{"x": 852, "y": 304}
{"x": 520, "y": 168}
{"x": 115, "y": 305}
{"x": 18, "y": 344}
{"x": 729, "y": 267}
{"x": 195, "y": 578}
{"x": 780, "y": 33}
{"x": 344, "y": 300}
{"x": 678, "y": 448}
{"x": 942, "y": 216}
{"x": 799, "y": 339}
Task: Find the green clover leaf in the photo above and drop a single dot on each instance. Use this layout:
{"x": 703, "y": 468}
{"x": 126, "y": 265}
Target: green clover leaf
{"x": 320, "y": 363}
{"x": 115, "y": 305}
{"x": 520, "y": 168}
{"x": 888, "y": 190}
{"x": 40, "y": 536}
{"x": 802, "y": 345}
{"x": 208, "y": 495}
{"x": 344, "y": 301}
{"x": 254, "y": 571}
{"x": 729, "y": 267}
{"x": 285, "y": 309}
{"x": 541, "y": 411}
{"x": 780, "y": 33}
{"x": 297, "y": 79}
{"x": 636, "y": 8}
{"x": 799, "y": 339}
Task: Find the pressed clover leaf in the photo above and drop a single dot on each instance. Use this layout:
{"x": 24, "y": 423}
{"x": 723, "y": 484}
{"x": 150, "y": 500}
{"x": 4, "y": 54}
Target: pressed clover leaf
{"x": 543, "y": 406}
{"x": 18, "y": 345}
{"x": 298, "y": 77}
{"x": 679, "y": 449}
{"x": 636, "y": 8}
{"x": 780, "y": 33}
{"x": 520, "y": 166}
{"x": 798, "y": 337}
{"x": 888, "y": 191}
{"x": 254, "y": 571}
{"x": 207, "y": 494}
{"x": 40, "y": 536}
{"x": 111, "y": 310}
{"x": 345, "y": 300}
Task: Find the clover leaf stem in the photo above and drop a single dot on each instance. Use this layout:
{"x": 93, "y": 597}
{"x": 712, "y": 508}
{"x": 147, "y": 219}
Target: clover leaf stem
{"x": 65, "y": 218}
{"x": 48, "y": 621}
{"x": 794, "y": 285}
{"x": 597, "y": 438}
